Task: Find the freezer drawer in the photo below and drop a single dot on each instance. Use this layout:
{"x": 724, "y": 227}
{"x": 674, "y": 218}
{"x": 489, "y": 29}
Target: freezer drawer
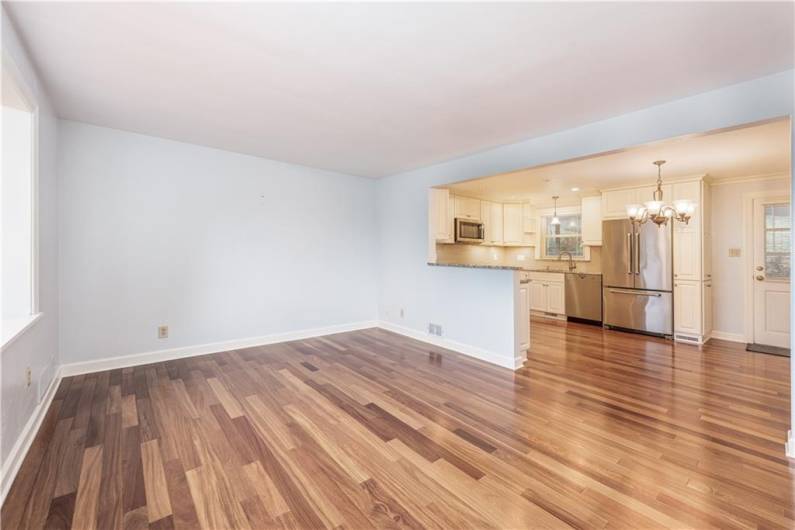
{"x": 649, "y": 311}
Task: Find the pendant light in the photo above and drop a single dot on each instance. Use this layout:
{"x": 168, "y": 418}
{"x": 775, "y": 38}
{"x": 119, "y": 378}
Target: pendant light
{"x": 656, "y": 210}
{"x": 555, "y": 220}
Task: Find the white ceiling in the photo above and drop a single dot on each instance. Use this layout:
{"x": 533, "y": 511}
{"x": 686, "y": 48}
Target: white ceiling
{"x": 747, "y": 152}
{"x": 380, "y": 88}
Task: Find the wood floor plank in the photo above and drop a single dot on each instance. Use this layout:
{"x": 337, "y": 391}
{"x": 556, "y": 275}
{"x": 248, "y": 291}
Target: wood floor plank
{"x": 88, "y": 492}
{"x": 369, "y": 429}
{"x": 158, "y": 502}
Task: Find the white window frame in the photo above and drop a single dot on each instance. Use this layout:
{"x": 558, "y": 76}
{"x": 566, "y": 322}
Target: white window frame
{"x": 549, "y": 212}
{"x": 15, "y": 328}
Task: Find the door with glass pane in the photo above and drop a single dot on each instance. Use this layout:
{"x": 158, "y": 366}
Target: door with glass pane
{"x": 771, "y": 272}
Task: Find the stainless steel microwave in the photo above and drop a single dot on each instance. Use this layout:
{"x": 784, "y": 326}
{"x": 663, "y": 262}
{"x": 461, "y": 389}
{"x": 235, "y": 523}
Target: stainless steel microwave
{"x": 469, "y": 231}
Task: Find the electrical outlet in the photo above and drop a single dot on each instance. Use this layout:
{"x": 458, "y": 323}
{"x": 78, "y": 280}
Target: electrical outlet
{"x": 28, "y": 376}
{"x": 735, "y": 252}
{"x": 435, "y": 329}
{"x": 438, "y": 330}
{"x": 162, "y": 332}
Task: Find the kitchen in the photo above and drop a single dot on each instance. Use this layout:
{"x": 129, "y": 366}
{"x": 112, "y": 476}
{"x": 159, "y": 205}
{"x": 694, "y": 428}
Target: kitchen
{"x": 628, "y": 240}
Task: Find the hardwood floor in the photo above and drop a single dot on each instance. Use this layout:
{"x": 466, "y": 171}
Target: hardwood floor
{"x": 371, "y": 429}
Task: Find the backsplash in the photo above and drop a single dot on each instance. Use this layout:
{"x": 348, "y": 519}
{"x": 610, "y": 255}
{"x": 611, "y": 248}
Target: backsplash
{"x": 484, "y": 255}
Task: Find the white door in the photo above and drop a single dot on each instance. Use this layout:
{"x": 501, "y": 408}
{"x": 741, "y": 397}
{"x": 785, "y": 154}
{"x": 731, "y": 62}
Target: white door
{"x": 771, "y": 272}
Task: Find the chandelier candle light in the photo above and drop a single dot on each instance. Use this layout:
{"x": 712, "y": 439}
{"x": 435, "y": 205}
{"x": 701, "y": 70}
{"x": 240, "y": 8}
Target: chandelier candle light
{"x": 656, "y": 210}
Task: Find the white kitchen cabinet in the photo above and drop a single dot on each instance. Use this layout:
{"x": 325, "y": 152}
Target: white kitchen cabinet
{"x": 556, "y": 298}
{"x": 512, "y": 231}
{"x": 529, "y": 219}
{"x": 693, "y": 265}
{"x": 467, "y": 208}
{"x": 614, "y": 202}
{"x": 440, "y": 215}
{"x": 547, "y": 293}
{"x": 491, "y": 214}
{"x": 689, "y": 191}
{"x": 538, "y": 296}
{"x": 687, "y": 310}
{"x": 687, "y": 255}
{"x": 591, "y": 221}
{"x": 524, "y": 314}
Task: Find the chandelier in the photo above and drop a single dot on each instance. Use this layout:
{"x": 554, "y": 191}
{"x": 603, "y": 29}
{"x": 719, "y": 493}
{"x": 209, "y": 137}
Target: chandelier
{"x": 656, "y": 210}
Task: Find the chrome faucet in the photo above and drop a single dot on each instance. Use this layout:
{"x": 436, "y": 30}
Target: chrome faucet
{"x": 572, "y": 265}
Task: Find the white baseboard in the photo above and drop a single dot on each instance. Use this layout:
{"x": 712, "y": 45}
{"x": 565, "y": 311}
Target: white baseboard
{"x": 25, "y": 439}
{"x": 466, "y": 349}
{"x": 725, "y": 335}
{"x": 789, "y": 447}
{"x": 110, "y": 363}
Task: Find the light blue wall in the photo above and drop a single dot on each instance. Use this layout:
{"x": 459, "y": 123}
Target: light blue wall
{"x": 463, "y": 300}
{"x": 37, "y": 348}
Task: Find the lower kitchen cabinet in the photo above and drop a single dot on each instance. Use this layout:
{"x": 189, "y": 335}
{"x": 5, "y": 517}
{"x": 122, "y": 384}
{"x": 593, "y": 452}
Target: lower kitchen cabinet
{"x": 692, "y": 311}
{"x": 547, "y": 293}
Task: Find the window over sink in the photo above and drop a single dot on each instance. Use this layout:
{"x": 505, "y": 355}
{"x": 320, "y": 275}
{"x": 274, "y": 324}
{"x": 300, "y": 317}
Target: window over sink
{"x": 563, "y": 237}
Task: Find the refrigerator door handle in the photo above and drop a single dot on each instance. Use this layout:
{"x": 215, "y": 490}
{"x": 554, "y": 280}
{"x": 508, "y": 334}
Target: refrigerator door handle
{"x": 630, "y": 253}
{"x": 636, "y": 293}
{"x": 637, "y": 253}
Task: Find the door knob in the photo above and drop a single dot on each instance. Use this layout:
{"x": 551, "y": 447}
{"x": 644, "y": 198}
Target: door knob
{"x": 760, "y": 277}
{"x": 760, "y": 268}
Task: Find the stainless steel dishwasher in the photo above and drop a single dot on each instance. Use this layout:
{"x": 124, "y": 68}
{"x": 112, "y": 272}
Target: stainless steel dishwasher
{"x": 584, "y": 296}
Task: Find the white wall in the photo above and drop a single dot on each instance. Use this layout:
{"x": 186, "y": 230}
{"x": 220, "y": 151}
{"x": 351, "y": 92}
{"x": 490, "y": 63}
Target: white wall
{"x": 216, "y": 245}
{"x": 430, "y": 294}
{"x": 38, "y": 347}
{"x": 728, "y": 277}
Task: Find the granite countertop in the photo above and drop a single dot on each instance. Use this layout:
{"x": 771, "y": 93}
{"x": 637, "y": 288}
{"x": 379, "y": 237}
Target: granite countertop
{"x": 475, "y": 266}
{"x": 563, "y": 271}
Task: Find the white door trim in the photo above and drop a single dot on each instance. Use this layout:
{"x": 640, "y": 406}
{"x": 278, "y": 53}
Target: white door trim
{"x": 748, "y": 255}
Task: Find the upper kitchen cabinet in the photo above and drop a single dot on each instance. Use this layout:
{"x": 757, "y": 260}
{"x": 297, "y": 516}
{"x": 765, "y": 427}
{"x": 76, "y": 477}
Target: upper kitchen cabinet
{"x": 519, "y": 224}
{"x": 615, "y": 201}
{"x": 513, "y": 233}
{"x": 467, "y": 208}
{"x": 529, "y": 219}
{"x": 591, "y": 222}
{"x": 440, "y": 215}
{"x": 492, "y": 216}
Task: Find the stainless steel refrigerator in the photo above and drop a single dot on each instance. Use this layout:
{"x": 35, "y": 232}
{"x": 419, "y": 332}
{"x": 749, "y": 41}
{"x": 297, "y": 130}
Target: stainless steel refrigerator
{"x": 637, "y": 276}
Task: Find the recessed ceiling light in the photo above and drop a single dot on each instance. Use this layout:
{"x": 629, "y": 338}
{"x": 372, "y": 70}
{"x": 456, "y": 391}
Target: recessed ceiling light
{"x": 575, "y": 189}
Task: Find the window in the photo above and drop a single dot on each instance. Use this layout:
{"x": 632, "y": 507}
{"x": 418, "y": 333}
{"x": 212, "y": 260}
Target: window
{"x": 777, "y": 241}
{"x": 563, "y": 237}
{"x": 17, "y": 194}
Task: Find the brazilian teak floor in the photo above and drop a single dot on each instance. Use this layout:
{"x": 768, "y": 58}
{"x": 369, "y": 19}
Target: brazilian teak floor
{"x": 371, "y": 429}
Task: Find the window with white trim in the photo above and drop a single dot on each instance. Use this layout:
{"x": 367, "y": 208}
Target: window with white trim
{"x": 18, "y": 206}
{"x": 563, "y": 237}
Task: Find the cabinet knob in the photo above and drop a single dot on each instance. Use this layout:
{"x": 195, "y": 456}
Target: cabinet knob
{"x": 760, "y": 278}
